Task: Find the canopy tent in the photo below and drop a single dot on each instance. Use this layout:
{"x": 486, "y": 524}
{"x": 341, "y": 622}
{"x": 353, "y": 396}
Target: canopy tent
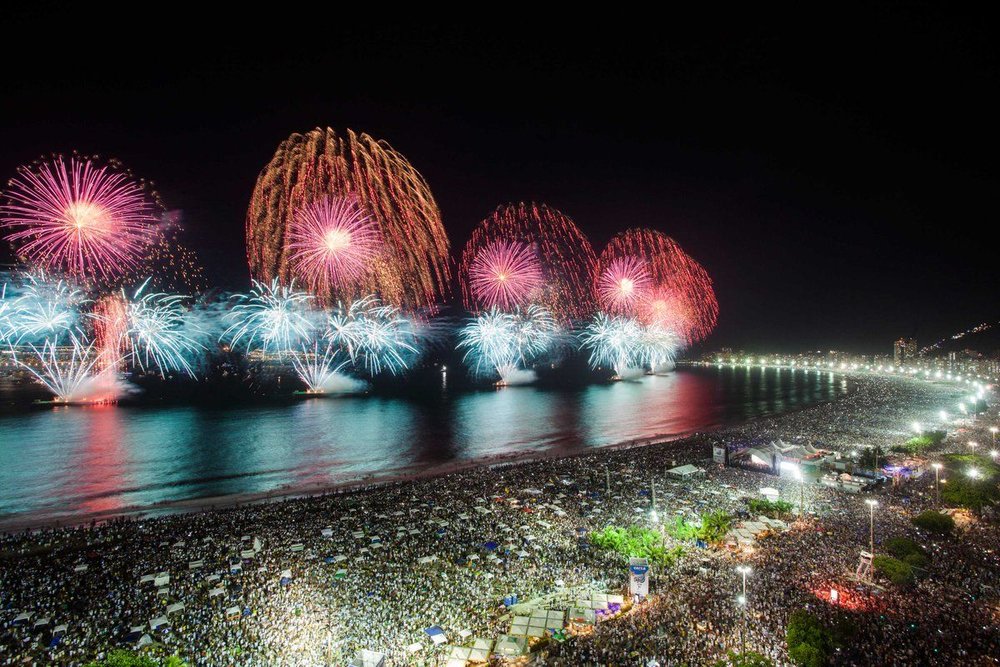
{"x": 685, "y": 471}
{"x": 436, "y": 634}
{"x": 508, "y": 646}
{"x": 366, "y": 658}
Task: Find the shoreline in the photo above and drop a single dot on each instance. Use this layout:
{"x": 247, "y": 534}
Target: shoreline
{"x": 208, "y": 504}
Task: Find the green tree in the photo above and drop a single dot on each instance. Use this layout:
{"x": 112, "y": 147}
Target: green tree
{"x": 123, "y": 658}
{"x": 774, "y": 509}
{"x": 747, "y": 659}
{"x": 935, "y": 522}
{"x": 714, "y": 526}
{"x": 907, "y": 551}
{"x": 810, "y": 643}
{"x": 898, "y": 572}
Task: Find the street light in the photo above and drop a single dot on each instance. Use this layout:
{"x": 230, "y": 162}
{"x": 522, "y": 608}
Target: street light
{"x": 993, "y": 432}
{"x": 796, "y": 472}
{"x": 973, "y": 445}
{"x": 872, "y": 504}
{"x": 742, "y": 600}
{"x": 937, "y": 483}
{"x": 973, "y": 473}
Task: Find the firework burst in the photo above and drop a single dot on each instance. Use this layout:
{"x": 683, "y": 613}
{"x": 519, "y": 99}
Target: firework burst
{"x": 272, "y": 318}
{"x": 504, "y": 343}
{"x": 678, "y": 295}
{"x": 374, "y": 336}
{"x": 410, "y": 268}
{"x": 78, "y": 216}
{"x": 505, "y": 275}
{"x": 564, "y": 256}
{"x": 332, "y": 243}
{"x": 45, "y": 307}
{"x": 623, "y": 284}
{"x": 77, "y": 379}
{"x": 157, "y": 333}
{"x": 321, "y": 372}
{"x": 626, "y": 345}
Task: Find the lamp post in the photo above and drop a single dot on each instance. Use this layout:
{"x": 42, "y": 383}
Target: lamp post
{"x": 742, "y": 599}
{"x": 993, "y": 432}
{"x": 871, "y": 543}
{"x": 973, "y": 445}
{"x": 937, "y": 484}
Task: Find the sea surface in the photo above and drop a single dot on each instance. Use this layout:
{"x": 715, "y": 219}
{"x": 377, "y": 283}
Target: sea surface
{"x": 66, "y": 464}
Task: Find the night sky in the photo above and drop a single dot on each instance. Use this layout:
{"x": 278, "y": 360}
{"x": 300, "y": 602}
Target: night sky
{"x": 836, "y": 175}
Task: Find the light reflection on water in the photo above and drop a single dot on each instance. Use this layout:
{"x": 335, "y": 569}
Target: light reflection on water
{"x": 70, "y": 462}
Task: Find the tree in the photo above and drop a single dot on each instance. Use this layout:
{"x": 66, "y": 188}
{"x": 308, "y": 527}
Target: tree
{"x": 714, "y": 526}
{"x": 810, "y": 643}
{"x": 747, "y": 659}
{"x": 774, "y": 509}
{"x": 934, "y": 522}
{"x": 123, "y": 658}
{"x": 898, "y": 572}
{"x": 907, "y": 551}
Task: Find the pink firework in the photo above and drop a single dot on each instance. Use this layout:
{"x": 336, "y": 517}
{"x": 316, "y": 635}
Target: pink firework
{"x": 77, "y": 216}
{"x": 505, "y": 274}
{"x": 332, "y": 243}
{"x": 623, "y": 285}
{"x": 668, "y": 309}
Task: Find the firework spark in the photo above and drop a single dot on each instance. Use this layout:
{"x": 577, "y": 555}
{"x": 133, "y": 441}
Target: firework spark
{"x": 410, "y": 269}
{"x": 321, "y": 372}
{"x": 77, "y": 379}
{"x": 44, "y": 307}
{"x": 375, "y": 336}
{"x": 626, "y": 345}
{"x": 78, "y": 216}
{"x": 679, "y": 294}
{"x": 158, "y": 334}
{"x": 503, "y": 343}
{"x": 505, "y": 275}
{"x": 333, "y": 243}
{"x": 272, "y": 318}
{"x": 564, "y": 256}
{"x": 622, "y": 286}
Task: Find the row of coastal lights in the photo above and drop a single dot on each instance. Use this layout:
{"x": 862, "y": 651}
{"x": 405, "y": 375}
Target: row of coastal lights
{"x": 763, "y": 362}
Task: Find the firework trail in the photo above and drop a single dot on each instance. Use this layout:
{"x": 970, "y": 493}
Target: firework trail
{"x": 374, "y": 336}
{"x": 677, "y": 293}
{"x": 91, "y": 220}
{"x": 321, "y": 372}
{"x": 564, "y": 255}
{"x": 110, "y": 318}
{"x": 77, "y": 379}
{"x": 333, "y": 243}
{"x": 503, "y": 343}
{"x": 623, "y": 285}
{"x": 627, "y": 346}
{"x": 505, "y": 275}
{"x": 272, "y": 318}
{"x": 410, "y": 268}
{"x": 42, "y": 308}
{"x": 157, "y": 333}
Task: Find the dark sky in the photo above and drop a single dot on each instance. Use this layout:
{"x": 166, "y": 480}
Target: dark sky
{"x": 835, "y": 175}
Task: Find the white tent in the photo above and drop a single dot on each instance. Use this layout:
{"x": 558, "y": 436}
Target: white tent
{"x": 508, "y": 646}
{"x": 366, "y": 658}
{"x": 685, "y": 471}
{"x": 157, "y": 622}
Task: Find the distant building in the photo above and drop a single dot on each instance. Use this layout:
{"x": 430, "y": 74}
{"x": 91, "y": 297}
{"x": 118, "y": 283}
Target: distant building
{"x": 904, "y": 350}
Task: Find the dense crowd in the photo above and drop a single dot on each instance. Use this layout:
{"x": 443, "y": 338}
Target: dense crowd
{"x": 312, "y": 581}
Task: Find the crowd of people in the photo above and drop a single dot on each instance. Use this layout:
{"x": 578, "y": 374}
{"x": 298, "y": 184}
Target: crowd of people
{"x": 312, "y": 581}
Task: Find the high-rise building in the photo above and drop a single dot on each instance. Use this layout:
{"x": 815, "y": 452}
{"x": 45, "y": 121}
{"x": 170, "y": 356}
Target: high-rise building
{"x": 904, "y": 350}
